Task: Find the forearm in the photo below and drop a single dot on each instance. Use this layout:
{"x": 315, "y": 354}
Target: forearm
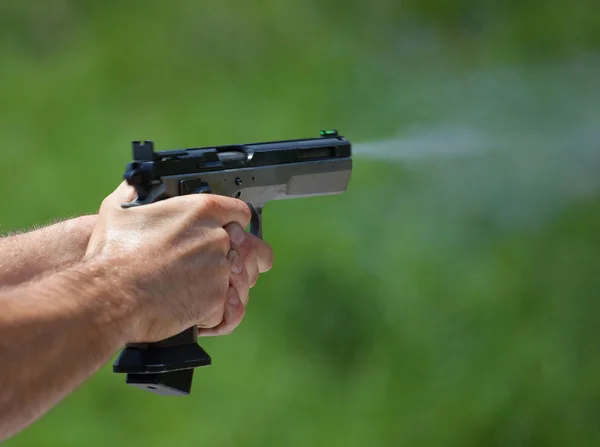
{"x": 54, "y": 334}
{"x": 52, "y": 248}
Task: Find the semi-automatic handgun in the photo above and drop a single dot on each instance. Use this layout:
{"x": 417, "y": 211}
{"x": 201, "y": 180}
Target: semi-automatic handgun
{"x": 256, "y": 173}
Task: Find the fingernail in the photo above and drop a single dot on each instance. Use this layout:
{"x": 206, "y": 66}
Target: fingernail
{"x": 232, "y": 297}
{"x": 237, "y": 235}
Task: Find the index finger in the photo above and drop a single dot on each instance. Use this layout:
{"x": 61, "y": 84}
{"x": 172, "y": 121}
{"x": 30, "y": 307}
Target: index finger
{"x": 223, "y": 209}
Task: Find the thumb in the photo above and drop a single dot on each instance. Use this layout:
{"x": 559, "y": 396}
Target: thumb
{"x": 124, "y": 193}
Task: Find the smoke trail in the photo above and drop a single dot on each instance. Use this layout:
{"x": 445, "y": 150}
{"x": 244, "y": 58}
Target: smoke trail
{"x": 442, "y": 142}
{"x": 513, "y": 147}
{"x": 512, "y": 179}
{"x": 551, "y": 108}
{"x": 471, "y": 185}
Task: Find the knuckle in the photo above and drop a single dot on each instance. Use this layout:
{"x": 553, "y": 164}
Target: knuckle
{"x": 106, "y": 203}
{"x": 217, "y": 206}
{"x": 222, "y": 238}
{"x": 222, "y": 267}
{"x": 246, "y": 213}
{"x": 207, "y": 205}
{"x": 246, "y": 250}
{"x": 241, "y": 280}
{"x": 245, "y": 278}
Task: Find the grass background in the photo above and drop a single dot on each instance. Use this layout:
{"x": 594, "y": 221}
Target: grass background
{"x": 447, "y": 301}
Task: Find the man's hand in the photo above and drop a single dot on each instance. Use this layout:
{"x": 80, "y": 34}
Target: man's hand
{"x": 250, "y": 256}
{"x": 181, "y": 262}
{"x": 148, "y": 273}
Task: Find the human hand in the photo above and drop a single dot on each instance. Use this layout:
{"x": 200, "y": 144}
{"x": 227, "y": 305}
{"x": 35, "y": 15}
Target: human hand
{"x": 250, "y": 257}
{"x": 177, "y": 262}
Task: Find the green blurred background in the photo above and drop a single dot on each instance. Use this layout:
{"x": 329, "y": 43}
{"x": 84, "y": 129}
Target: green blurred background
{"x": 441, "y": 301}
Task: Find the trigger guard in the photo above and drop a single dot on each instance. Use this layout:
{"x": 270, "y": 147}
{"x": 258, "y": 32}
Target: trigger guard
{"x": 256, "y": 220}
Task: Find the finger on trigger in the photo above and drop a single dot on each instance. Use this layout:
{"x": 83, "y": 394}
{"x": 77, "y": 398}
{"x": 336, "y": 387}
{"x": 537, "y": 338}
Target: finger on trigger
{"x": 231, "y": 210}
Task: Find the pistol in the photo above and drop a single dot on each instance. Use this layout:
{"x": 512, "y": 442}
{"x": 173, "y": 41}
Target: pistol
{"x": 256, "y": 173}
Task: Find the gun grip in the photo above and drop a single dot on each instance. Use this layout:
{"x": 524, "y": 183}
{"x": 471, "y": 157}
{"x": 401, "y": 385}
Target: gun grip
{"x": 165, "y": 367}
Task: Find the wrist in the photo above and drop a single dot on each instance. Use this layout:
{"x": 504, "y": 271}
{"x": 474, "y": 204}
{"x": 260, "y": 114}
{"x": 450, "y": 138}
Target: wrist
{"x": 112, "y": 298}
{"x": 97, "y": 294}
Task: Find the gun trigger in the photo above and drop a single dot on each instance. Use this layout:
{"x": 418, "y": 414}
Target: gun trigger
{"x": 256, "y": 221}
